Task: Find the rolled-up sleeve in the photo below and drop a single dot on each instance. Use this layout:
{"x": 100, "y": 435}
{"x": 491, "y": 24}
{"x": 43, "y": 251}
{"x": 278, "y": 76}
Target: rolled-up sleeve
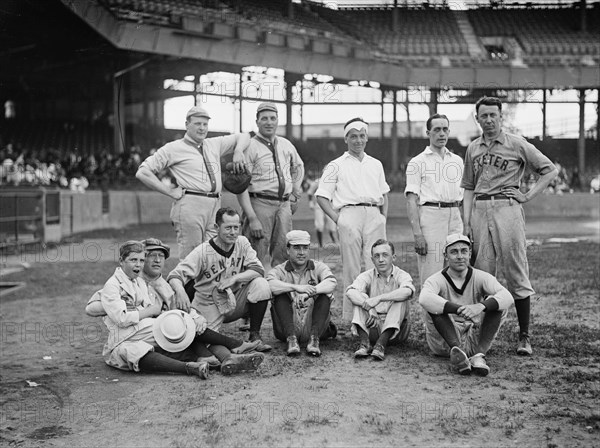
{"x": 536, "y": 159}
{"x": 404, "y": 279}
{"x": 413, "y": 178}
{"x": 468, "y": 177}
{"x": 251, "y": 261}
{"x": 328, "y": 181}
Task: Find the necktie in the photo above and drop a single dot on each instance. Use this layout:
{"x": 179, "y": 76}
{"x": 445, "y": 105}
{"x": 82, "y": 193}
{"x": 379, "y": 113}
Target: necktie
{"x": 273, "y": 148}
{"x": 211, "y": 175}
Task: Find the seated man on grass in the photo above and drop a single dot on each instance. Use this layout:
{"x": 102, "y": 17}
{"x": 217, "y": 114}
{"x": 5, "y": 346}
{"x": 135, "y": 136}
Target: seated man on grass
{"x": 380, "y": 303}
{"x": 302, "y": 294}
{"x": 465, "y": 309}
{"x": 228, "y": 278}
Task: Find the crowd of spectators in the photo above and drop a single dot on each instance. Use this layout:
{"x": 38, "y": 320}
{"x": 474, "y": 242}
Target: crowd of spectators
{"x": 69, "y": 170}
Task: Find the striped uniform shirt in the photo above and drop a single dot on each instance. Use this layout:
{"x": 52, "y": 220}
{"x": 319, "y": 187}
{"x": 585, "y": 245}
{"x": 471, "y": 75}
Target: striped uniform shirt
{"x": 208, "y": 265}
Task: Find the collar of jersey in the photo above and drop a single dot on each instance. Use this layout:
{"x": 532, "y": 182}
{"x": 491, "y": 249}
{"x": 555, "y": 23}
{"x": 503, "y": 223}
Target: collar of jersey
{"x": 464, "y": 286}
{"x": 219, "y": 250}
{"x": 310, "y": 266}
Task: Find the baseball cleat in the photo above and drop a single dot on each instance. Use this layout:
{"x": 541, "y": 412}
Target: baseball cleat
{"x": 524, "y": 347}
{"x": 293, "y": 347}
{"x": 313, "y": 346}
{"x": 378, "y": 352}
{"x": 460, "y": 361}
{"x": 262, "y": 347}
{"x": 212, "y": 361}
{"x": 478, "y": 364}
{"x": 241, "y": 363}
{"x": 363, "y": 351}
{"x": 197, "y": 368}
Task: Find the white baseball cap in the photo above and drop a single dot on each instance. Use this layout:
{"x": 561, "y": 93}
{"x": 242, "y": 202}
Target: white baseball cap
{"x": 456, "y": 238}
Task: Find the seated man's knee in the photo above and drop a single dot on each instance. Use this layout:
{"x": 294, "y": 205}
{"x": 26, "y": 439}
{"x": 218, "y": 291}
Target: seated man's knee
{"x": 258, "y": 290}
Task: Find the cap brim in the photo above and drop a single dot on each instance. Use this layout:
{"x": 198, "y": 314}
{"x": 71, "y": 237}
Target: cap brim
{"x": 169, "y": 346}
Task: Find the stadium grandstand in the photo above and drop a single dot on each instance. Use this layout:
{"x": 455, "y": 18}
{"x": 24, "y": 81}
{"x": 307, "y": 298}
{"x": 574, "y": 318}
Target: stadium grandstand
{"x": 84, "y": 83}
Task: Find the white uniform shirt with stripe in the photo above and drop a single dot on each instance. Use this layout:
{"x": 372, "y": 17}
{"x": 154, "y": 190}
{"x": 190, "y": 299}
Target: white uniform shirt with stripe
{"x": 348, "y": 180}
{"x": 185, "y": 163}
{"x": 478, "y": 285}
{"x": 433, "y": 178}
{"x": 208, "y": 265}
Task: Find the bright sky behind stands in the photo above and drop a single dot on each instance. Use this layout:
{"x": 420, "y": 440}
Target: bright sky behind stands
{"x": 325, "y": 105}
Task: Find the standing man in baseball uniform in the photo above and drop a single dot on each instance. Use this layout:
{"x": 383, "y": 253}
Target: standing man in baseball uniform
{"x": 353, "y": 193}
{"x": 494, "y": 167}
{"x": 272, "y": 197}
{"x": 465, "y": 309}
{"x": 302, "y": 292}
{"x": 228, "y": 278}
{"x": 195, "y": 163}
{"x": 434, "y": 197}
{"x": 380, "y": 297}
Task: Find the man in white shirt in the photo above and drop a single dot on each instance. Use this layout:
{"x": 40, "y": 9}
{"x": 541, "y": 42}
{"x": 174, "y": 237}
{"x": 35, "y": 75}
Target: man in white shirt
{"x": 434, "y": 197}
{"x": 353, "y": 193}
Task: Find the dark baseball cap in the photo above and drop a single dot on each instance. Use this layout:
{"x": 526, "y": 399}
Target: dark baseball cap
{"x": 156, "y": 244}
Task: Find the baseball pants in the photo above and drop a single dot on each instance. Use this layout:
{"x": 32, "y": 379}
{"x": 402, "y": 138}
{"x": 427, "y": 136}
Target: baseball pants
{"x": 358, "y": 228}
{"x": 469, "y": 335}
{"x": 276, "y": 220}
{"x": 302, "y": 319}
{"x": 499, "y": 238}
{"x": 193, "y": 218}
{"x": 255, "y": 291}
{"x": 436, "y": 225}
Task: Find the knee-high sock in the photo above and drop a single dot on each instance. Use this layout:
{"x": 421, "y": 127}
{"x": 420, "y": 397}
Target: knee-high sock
{"x": 257, "y": 314}
{"x": 283, "y": 308}
{"x": 200, "y": 349}
{"x": 212, "y": 337}
{"x": 364, "y": 337}
{"x": 488, "y": 330}
{"x": 445, "y": 327}
{"x": 523, "y": 308}
{"x": 222, "y": 353}
{"x": 385, "y": 336}
{"x": 320, "y": 238}
{"x": 320, "y": 314}
{"x": 155, "y": 362}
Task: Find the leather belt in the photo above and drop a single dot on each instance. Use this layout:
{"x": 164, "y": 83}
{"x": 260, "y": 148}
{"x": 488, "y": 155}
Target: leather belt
{"x": 362, "y": 204}
{"x": 443, "y": 204}
{"x": 270, "y": 198}
{"x": 489, "y": 197}
{"x": 201, "y": 193}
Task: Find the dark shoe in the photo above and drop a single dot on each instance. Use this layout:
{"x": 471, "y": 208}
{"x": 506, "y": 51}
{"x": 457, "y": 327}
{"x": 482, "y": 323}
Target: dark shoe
{"x": 212, "y": 361}
{"x": 460, "y": 362}
{"x": 293, "y": 347}
{"x": 478, "y": 364}
{"x": 197, "y": 368}
{"x": 246, "y": 347}
{"x": 313, "y": 346}
{"x": 524, "y": 347}
{"x": 363, "y": 351}
{"x": 378, "y": 352}
{"x": 333, "y": 331}
{"x": 262, "y": 347}
{"x": 241, "y": 363}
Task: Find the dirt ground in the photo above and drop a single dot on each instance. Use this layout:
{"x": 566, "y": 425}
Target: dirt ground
{"x": 57, "y": 391}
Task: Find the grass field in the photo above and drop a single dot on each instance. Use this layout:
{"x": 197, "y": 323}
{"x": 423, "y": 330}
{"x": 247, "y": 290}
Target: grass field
{"x": 411, "y": 398}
